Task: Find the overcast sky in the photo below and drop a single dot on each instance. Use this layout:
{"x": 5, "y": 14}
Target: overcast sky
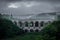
{"x": 24, "y": 7}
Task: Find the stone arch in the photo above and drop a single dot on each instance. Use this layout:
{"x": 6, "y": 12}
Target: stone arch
{"x": 31, "y": 24}
{"x": 36, "y": 30}
{"x": 31, "y": 30}
{"x": 20, "y": 23}
{"x": 26, "y": 24}
{"x": 42, "y": 23}
{"x": 36, "y": 24}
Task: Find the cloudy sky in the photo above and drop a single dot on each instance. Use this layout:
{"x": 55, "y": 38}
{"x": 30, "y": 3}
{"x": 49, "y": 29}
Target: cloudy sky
{"x": 24, "y": 7}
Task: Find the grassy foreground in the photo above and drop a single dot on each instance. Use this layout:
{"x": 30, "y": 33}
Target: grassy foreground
{"x": 27, "y": 36}
{"x": 31, "y": 36}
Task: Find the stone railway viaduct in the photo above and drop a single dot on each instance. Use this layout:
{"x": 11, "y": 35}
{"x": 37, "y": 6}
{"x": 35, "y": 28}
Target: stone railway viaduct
{"x": 32, "y": 25}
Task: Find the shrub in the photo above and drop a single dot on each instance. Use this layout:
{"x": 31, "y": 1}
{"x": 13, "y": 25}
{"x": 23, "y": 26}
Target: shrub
{"x": 50, "y": 32}
{"x": 8, "y": 29}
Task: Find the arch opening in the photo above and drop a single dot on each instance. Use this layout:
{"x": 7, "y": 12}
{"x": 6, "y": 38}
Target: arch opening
{"x": 42, "y": 24}
{"x": 26, "y": 24}
{"x": 31, "y": 24}
{"x": 36, "y": 24}
{"x": 20, "y": 23}
{"x": 36, "y": 30}
{"x": 31, "y": 30}
{"x": 26, "y": 30}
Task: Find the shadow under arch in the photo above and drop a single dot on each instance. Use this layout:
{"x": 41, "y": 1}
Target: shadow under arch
{"x": 36, "y": 30}
{"x": 26, "y": 30}
{"x": 31, "y": 30}
{"x": 20, "y": 23}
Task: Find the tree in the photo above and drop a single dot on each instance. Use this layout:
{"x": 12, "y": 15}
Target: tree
{"x": 49, "y": 32}
{"x": 8, "y": 29}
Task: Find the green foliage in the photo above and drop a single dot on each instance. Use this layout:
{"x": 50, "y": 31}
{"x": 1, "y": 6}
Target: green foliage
{"x": 49, "y": 32}
{"x": 8, "y": 29}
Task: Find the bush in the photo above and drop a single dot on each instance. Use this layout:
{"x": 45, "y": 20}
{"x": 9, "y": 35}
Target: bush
{"x": 8, "y": 29}
{"x": 50, "y": 32}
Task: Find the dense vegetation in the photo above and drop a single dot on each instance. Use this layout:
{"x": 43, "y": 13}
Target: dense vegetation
{"x": 48, "y": 33}
{"x": 8, "y": 29}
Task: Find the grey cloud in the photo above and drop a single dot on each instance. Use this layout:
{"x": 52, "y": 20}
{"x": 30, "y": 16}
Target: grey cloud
{"x": 36, "y": 9}
{"x": 28, "y": 0}
{"x": 45, "y": 6}
{"x": 9, "y": 0}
